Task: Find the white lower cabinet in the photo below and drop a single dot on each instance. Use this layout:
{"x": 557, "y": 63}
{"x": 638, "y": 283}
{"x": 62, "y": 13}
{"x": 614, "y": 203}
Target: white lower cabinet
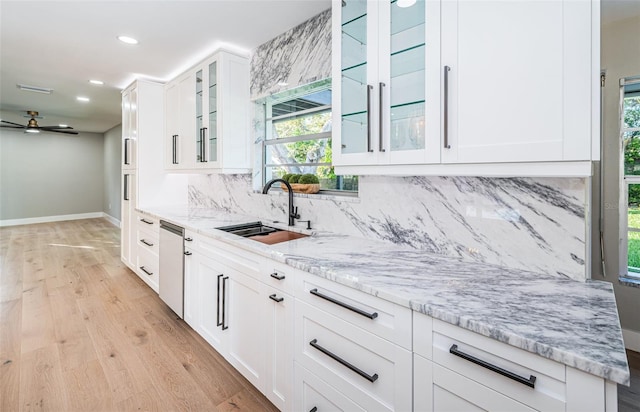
{"x": 279, "y": 348}
{"x": 371, "y": 371}
{"x": 314, "y": 394}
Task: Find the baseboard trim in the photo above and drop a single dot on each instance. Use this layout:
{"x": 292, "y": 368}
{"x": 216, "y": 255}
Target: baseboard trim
{"x": 112, "y": 220}
{"x": 47, "y": 219}
{"x": 631, "y": 339}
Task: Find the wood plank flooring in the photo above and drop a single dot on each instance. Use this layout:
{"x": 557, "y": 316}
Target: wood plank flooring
{"x": 80, "y": 332}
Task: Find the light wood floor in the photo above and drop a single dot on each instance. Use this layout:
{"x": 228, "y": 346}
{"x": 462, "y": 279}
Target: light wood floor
{"x": 80, "y": 332}
{"x": 629, "y": 397}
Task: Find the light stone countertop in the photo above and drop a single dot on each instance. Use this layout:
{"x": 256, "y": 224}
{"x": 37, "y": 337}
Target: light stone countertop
{"x": 571, "y": 322}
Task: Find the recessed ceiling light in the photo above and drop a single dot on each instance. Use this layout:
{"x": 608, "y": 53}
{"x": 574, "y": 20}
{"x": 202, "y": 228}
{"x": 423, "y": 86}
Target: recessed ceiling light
{"x": 98, "y": 82}
{"x": 63, "y": 125}
{"x": 127, "y": 39}
{"x": 31, "y": 131}
{"x": 82, "y": 99}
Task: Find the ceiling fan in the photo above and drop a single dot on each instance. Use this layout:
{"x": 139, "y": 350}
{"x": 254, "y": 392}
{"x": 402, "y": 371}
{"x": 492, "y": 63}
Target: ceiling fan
{"x": 32, "y": 126}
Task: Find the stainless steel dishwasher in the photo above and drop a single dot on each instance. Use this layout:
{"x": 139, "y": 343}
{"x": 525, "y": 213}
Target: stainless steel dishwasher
{"x": 171, "y": 273}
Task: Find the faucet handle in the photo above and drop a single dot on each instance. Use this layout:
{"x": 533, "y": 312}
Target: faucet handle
{"x": 295, "y": 213}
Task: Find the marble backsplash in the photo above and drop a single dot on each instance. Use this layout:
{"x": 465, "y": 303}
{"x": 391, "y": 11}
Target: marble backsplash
{"x": 536, "y": 224}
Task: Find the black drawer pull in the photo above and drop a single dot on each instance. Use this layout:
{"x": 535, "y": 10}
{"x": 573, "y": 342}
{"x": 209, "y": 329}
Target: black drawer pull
{"x": 276, "y": 276}
{"x": 142, "y": 268}
{"x": 188, "y": 253}
{"x": 188, "y": 239}
{"x": 146, "y": 221}
{"x": 531, "y": 382}
{"x": 344, "y": 305}
{"x": 370, "y": 378}
{"x": 145, "y": 242}
{"x": 314, "y": 409}
{"x": 275, "y": 298}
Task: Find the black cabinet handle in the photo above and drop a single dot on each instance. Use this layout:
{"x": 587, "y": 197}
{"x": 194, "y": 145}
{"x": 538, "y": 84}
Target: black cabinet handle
{"x": 126, "y": 151}
{"x": 344, "y": 305}
{"x": 204, "y": 144}
{"x": 380, "y": 120}
{"x": 531, "y": 382}
{"x": 445, "y": 109}
{"x": 277, "y": 299}
{"x": 146, "y": 221}
{"x": 370, "y": 378}
{"x": 369, "y": 88}
{"x": 276, "y": 276}
{"x": 175, "y": 149}
{"x": 142, "y": 268}
{"x": 147, "y": 243}
{"x": 188, "y": 239}
{"x": 314, "y": 409}
{"x": 126, "y": 187}
{"x": 224, "y": 292}
{"x": 218, "y": 320}
{"x": 188, "y": 253}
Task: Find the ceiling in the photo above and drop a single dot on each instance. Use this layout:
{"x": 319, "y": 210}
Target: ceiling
{"x": 63, "y": 44}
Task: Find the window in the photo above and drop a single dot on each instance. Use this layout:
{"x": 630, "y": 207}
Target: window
{"x": 298, "y": 137}
{"x": 630, "y": 135}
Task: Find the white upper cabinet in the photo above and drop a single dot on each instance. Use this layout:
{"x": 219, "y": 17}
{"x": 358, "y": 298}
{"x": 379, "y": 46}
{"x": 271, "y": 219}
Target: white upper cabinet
{"x": 504, "y": 88}
{"x": 129, "y": 128}
{"x": 383, "y": 88}
{"x": 207, "y": 117}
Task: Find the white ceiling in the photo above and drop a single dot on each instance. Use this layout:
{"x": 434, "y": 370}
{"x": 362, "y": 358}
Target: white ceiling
{"x": 63, "y": 44}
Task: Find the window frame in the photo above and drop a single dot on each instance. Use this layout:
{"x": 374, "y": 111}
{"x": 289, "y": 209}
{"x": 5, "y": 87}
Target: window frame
{"x": 625, "y": 182}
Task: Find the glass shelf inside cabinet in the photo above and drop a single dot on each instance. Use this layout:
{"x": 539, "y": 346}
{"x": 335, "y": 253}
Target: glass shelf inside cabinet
{"x": 408, "y": 126}
{"x": 352, "y": 9}
{"x": 406, "y": 18}
{"x": 354, "y": 132}
{"x": 357, "y": 73}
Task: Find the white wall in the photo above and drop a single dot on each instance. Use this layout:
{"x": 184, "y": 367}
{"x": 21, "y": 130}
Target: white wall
{"x": 50, "y": 174}
{"x": 620, "y": 56}
{"x": 112, "y": 170}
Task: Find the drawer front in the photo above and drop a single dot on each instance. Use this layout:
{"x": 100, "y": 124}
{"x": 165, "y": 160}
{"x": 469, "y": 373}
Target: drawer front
{"x": 378, "y": 316}
{"x": 231, "y": 256}
{"x": 150, "y": 223}
{"x": 147, "y": 240}
{"x": 372, "y": 371}
{"x": 454, "y": 392}
{"x": 147, "y": 268}
{"x": 278, "y": 275}
{"x": 313, "y": 394}
{"x": 487, "y": 361}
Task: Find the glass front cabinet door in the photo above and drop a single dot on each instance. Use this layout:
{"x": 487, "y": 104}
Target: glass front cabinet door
{"x": 206, "y": 153}
{"x": 386, "y": 83}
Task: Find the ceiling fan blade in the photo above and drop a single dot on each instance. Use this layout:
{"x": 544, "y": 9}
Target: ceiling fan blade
{"x": 12, "y": 127}
{"x": 15, "y": 124}
{"x": 61, "y": 131}
{"x": 55, "y": 127}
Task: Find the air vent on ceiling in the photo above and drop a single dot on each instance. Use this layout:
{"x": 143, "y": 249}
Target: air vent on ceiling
{"x": 36, "y": 89}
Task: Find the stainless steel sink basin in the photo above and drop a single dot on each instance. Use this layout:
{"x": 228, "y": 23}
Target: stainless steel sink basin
{"x": 262, "y": 233}
{"x": 250, "y": 229}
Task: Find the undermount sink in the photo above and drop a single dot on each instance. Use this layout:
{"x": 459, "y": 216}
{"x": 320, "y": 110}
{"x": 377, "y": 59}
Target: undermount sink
{"x": 262, "y": 233}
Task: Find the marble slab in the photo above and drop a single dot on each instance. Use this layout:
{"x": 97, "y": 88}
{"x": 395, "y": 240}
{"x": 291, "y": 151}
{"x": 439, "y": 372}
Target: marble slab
{"x": 574, "y": 323}
{"x": 536, "y": 224}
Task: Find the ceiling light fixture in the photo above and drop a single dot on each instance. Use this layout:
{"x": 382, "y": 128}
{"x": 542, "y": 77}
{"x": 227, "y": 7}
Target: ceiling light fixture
{"x": 98, "y": 82}
{"x": 31, "y": 131}
{"x": 36, "y": 89}
{"x": 127, "y": 39}
{"x": 82, "y": 99}
{"x": 406, "y": 3}
{"x": 63, "y": 125}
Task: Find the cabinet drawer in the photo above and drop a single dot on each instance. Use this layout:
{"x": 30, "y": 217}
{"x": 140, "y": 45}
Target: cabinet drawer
{"x": 454, "y": 392}
{"x": 147, "y": 268}
{"x": 312, "y": 393}
{"x": 371, "y": 371}
{"x": 148, "y": 222}
{"x": 231, "y": 256}
{"x": 278, "y": 275}
{"x": 378, "y": 316}
{"x": 478, "y": 357}
{"x": 147, "y": 240}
